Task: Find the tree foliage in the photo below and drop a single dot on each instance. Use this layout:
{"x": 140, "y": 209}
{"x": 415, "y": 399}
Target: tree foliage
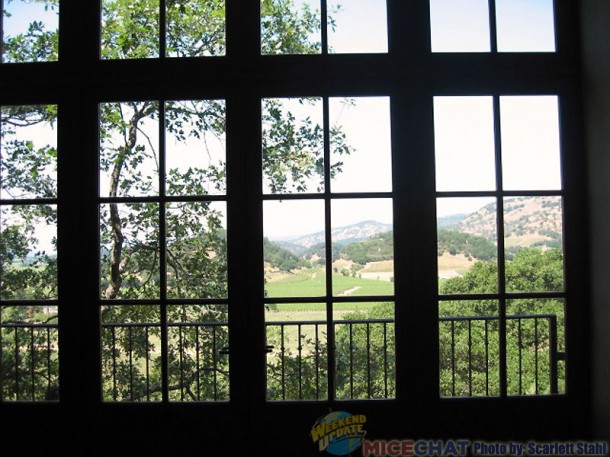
{"x": 469, "y": 348}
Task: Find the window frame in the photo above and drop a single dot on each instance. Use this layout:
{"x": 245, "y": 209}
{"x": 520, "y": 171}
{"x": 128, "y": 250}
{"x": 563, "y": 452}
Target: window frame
{"x": 410, "y": 75}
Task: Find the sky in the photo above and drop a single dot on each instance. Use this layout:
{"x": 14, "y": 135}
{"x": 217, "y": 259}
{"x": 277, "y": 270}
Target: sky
{"x": 22, "y": 13}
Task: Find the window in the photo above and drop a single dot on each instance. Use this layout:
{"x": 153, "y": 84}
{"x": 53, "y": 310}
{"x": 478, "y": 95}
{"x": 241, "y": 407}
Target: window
{"x": 323, "y": 26}
{"x": 28, "y": 227}
{"x": 498, "y": 25}
{"x": 163, "y": 251}
{"x": 329, "y": 260}
{"x": 146, "y": 29}
{"x": 214, "y": 210}
{"x": 500, "y": 238}
{"x": 29, "y": 31}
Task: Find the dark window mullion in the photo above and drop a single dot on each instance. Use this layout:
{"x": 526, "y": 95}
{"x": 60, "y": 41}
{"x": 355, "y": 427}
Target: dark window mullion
{"x": 1, "y": 42}
{"x": 328, "y": 250}
{"x": 500, "y": 245}
{"x": 163, "y": 254}
{"x": 324, "y": 27}
{"x": 493, "y": 33}
{"x": 162, "y": 30}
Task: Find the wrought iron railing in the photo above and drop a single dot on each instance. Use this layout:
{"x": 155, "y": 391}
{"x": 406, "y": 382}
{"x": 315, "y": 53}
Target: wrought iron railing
{"x": 469, "y": 355}
{"x": 29, "y": 366}
{"x": 297, "y": 359}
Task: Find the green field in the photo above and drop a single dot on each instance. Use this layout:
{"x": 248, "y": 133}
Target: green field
{"x": 312, "y": 283}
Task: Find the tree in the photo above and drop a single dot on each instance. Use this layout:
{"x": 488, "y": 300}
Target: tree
{"x": 469, "y": 348}
{"x": 130, "y": 252}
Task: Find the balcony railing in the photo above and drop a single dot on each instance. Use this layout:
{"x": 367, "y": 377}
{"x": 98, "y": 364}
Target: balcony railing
{"x": 297, "y": 359}
{"x": 29, "y": 369}
{"x": 469, "y": 355}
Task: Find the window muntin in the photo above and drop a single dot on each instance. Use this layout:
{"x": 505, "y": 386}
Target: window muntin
{"x": 30, "y": 31}
{"x": 163, "y": 242}
{"x": 323, "y": 26}
{"x": 511, "y": 244}
{"x": 138, "y": 29}
{"x": 519, "y": 25}
{"x": 323, "y": 248}
{"x": 28, "y": 254}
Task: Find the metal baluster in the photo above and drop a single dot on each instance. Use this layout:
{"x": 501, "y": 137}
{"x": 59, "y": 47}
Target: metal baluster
{"x": 470, "y": 357}
{"x": 520, "y": 337}
{"x": 368, "y": 359}
{"x": 317, "y": 362}
{"x": 32, "y": 363}
{"x": 536, "y": 353}
{"x": 114, "y": 368}
{"x": 146, "y": 334}
{"x": 180, "y": 362}
{"x": 49, "y": 363}
{"x": 197, "y": 362}
{"x": 486, "y": 357}
{"x": 283, "y": 350}
{"x": 300, "y": 364}
{"x": 385, "y": 360}
{"x": 351, "y": 359}
{"x": 214, "y": 363}
{"x": 17, "y": 363}
{"x": 453, "y": 358}
{"x": 130, "y": 345}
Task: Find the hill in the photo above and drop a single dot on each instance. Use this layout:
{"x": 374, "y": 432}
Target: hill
{"x": 528, "y": 221}
{"x": 340, "y": 235}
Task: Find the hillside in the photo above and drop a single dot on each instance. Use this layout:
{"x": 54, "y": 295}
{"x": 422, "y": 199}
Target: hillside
{"x": 340, "y": 235}
{"x": 528, "y": 221}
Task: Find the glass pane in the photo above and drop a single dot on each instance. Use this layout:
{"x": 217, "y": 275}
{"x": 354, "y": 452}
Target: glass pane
{"x": 460, "y": 25}
{"x": 129, "y": 149}
{"x": 198, "y": 359}
{"x": 533, "y": 228}
{"x": 196, "y": 250}
{"x": 30, "y": 355}
{"x": 293, "y": 145}
{"x": 195, "y": 147}
{"x": 294, "y": 248}
{"x": 28, "y": 248}
{"x": 130, "y": 30}
{"x": 360, "y": 144}
{"x": 469, "y": 348}
{"x": 131, "y": 353}
{"x": 28, "y": 152}
{"x": 365, "y": 353}
{"x": 464, "y": 143}
{"x": 195, "y": 28}
{"x": 30, "y": 31}
{"x": 129, "y": 251}
{"x": 467, "y": 245}
{"x": 297, "y": 354}
{"x": 535, "y": 346}
{"x": 530, "y": 143}
{"x": 525, "y": 25}
{"x": 291, "y": 27}
{"x": 357, "y": 26}
{"x": 363, "y": 247}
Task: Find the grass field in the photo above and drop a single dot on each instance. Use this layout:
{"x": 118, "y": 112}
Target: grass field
{"x": 312, "y": 283}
